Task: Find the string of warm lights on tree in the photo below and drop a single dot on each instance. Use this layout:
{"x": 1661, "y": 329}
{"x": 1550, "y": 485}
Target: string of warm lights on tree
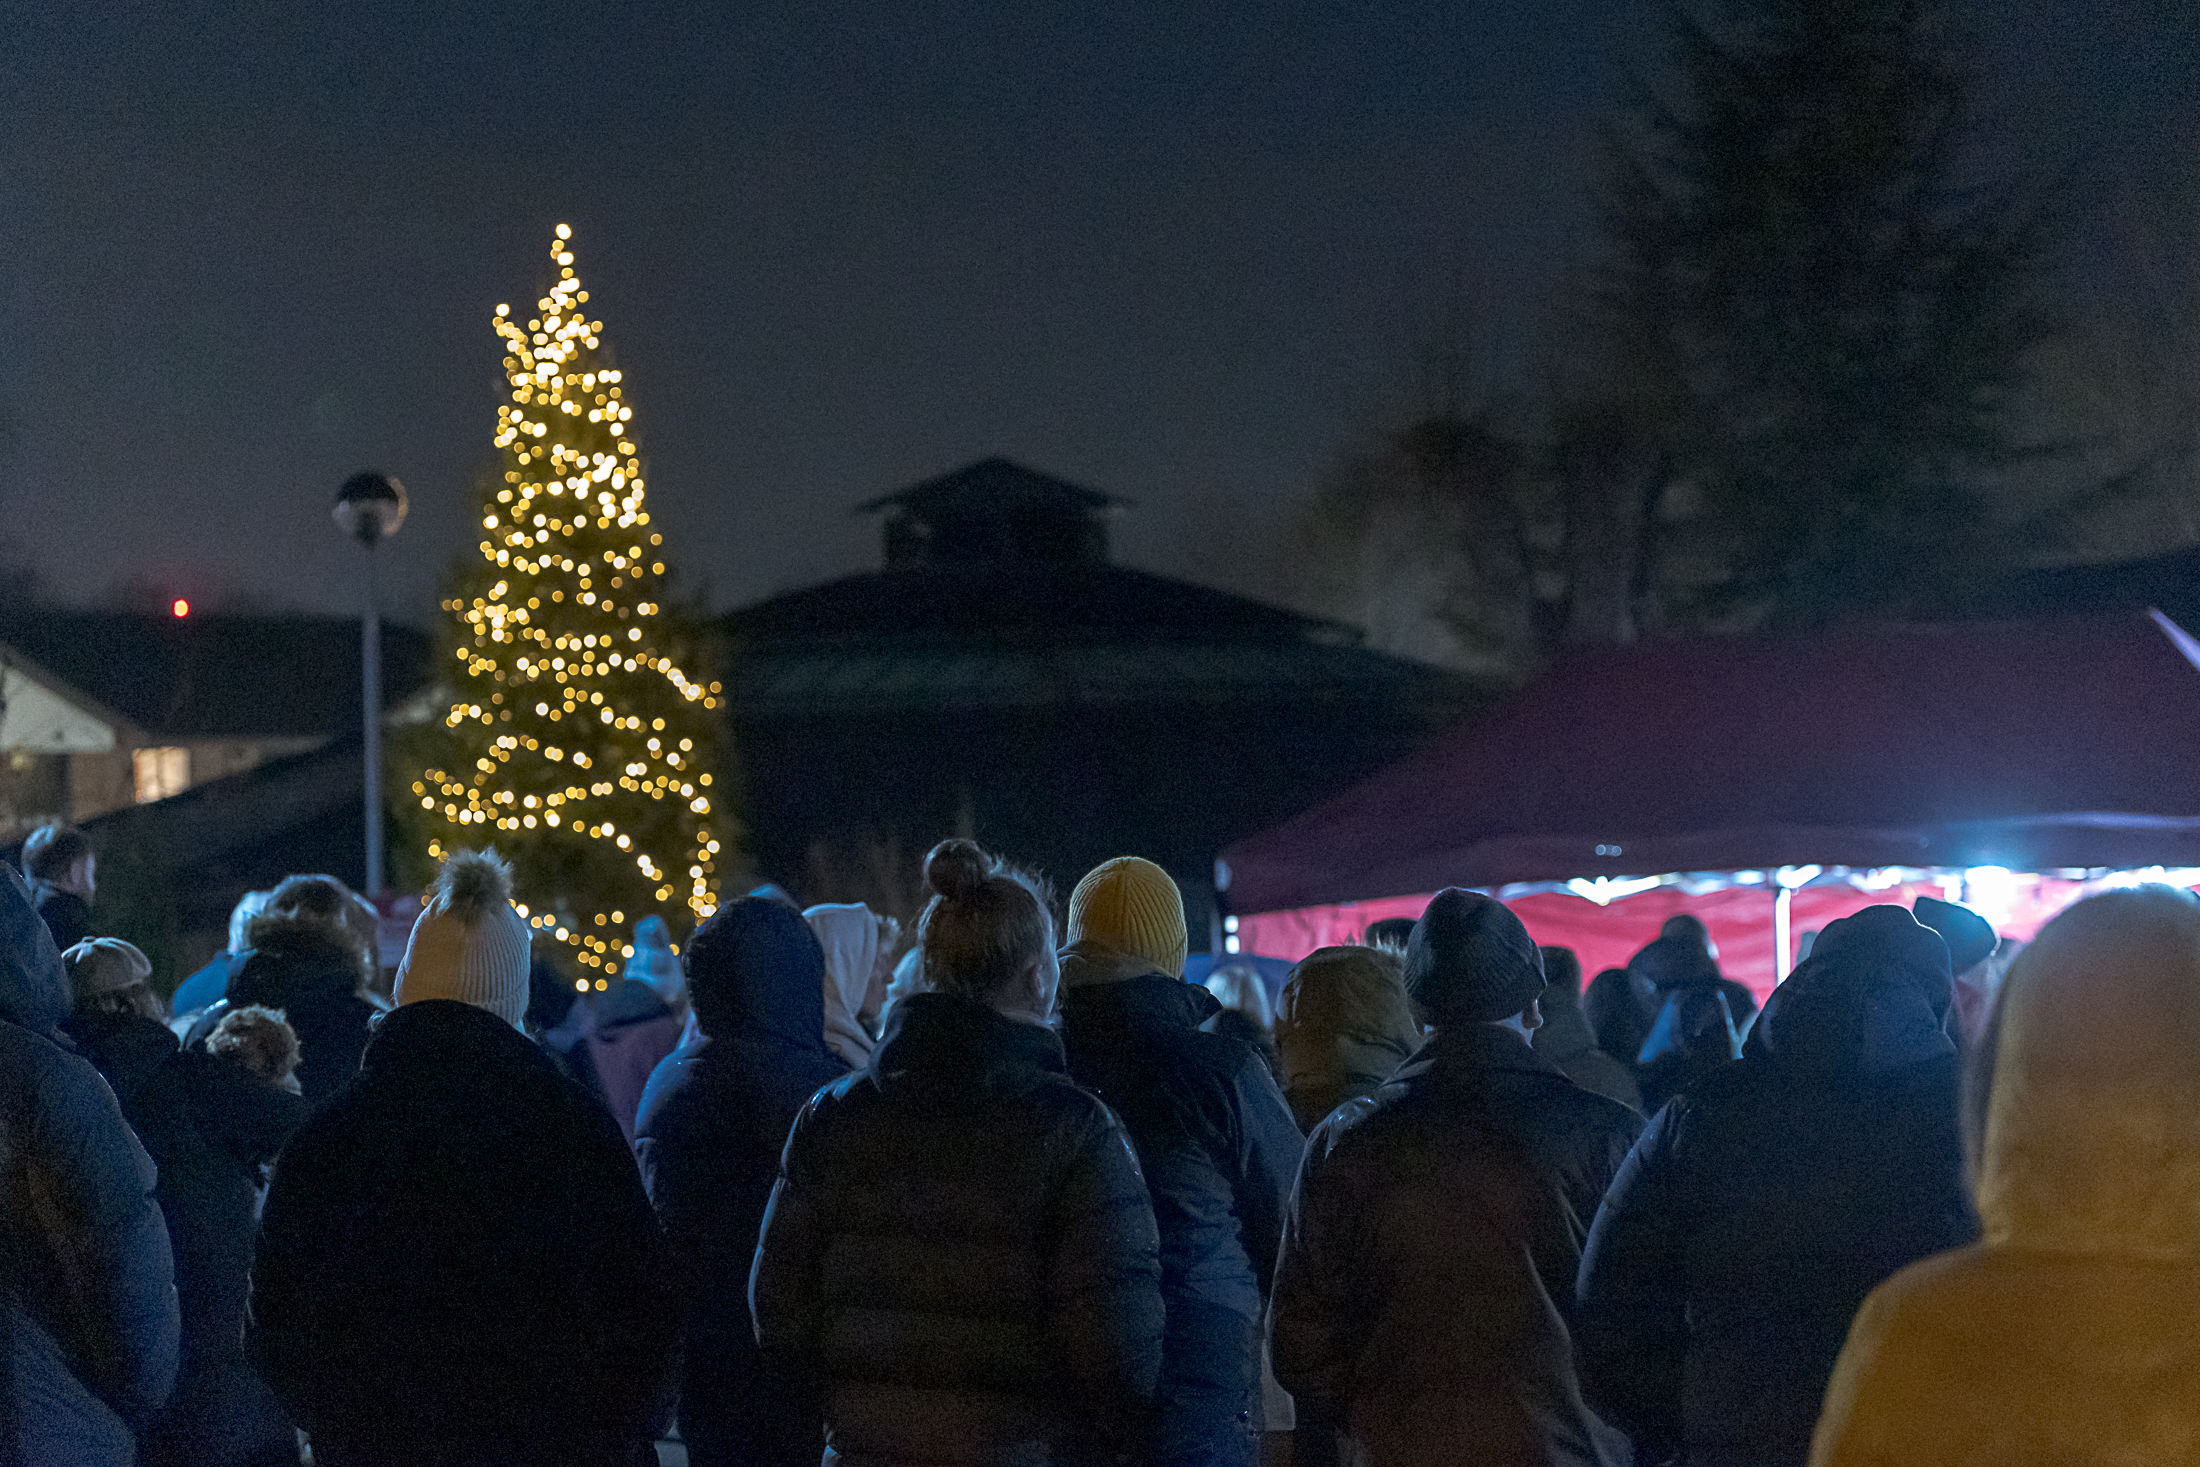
{"x": 576, "y": 744}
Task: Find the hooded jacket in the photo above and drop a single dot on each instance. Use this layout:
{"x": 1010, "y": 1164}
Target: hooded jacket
{"x": 960, "y": 1250}
{"x": 2066, "y": 1336}
{"x": 849, "y": 933}
{"x": 713, "y": 1123}
{"x": 314, "y": 975}
{"x": 88, "y": 1317}
{"x": 612, "y": 1042}
{"x": 1767, "y": 1200}
{"x": 1343, "y": 1026}
{"x": 456, "y": 1260}
{"x": 1426, "y": 1287}
{"x": 209, "y": 1125}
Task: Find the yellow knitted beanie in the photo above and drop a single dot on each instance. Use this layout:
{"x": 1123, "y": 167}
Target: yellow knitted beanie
{"x": 1131, "y": 905}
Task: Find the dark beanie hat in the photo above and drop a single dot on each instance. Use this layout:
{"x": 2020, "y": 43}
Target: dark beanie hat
{"x": 1470, "y": 961}
{"x": 1970, "y": 937}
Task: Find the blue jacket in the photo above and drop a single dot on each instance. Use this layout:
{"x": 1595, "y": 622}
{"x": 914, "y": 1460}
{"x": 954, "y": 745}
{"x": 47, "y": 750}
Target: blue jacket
{"x": 88, "y": 1316}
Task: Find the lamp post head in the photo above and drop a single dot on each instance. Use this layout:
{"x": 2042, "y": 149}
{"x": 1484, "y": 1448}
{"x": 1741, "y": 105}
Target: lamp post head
{"x": 370, "y": 507}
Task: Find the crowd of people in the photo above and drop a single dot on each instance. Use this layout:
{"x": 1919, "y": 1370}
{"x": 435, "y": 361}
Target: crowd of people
{"x": 1008, "y": 1190}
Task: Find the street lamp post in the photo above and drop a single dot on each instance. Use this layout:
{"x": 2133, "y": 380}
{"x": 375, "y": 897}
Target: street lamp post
{"x": 369, "y": 508}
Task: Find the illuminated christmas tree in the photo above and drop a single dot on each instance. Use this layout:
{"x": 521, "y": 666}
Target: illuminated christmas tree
{"x": 576, "y": 745}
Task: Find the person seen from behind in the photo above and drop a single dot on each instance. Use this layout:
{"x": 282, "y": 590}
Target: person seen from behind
{"x": 63, "y": 870}
{"x": 89, "y": 1326}
{"x": 1565, "y": 1040}
{"x": 1425, "y": 1295}
{"x": 1246, "y": 1015}
{"x": 205, "y": 987}
{"x": 1700, "y": 1014}
{"x": 713, "y": 1123}
{"x": 1767, "y": 1200}
{"x": 613, "y": 1040}
{"x": 1343, "y": 1026}
{"x": 456, "y": 1263}
{"x": 959, "y": 1250}
{"x": 1214, "y": 1138}
{"x": 1972, "y": 944}
{"x": 310, "y": 957}
{"x": 209, "y": 1123}
{"x": 859, "y": 960}
{"x": 2065, "y": 1335}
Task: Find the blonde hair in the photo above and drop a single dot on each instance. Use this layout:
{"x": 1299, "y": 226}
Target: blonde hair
{"x": 986, "y": 923}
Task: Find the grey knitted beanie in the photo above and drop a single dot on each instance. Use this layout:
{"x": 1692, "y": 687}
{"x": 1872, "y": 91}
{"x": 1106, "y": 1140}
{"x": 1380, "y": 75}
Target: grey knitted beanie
{"x": 469, "y": 945}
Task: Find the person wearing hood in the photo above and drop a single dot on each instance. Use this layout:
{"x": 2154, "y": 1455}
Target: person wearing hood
{"x": 859, "y": 947}
{"x": 89, "y": 1325}
{"x": 613, "y": 1041}
{"x": 456, "y": 1262}
{"x": 1972, "y": 943}
{"x": 1425, "y": 1293}
{"x": 1213, "y": 1135}
{"x": 959, "y": 1250}
{"x": 713, "y": 1123}
{"x": 209, "y": 1124}
{"x": 2066, "y": 1334}
{"x": 1564, "y": 1039}
{"x": 1343, "y": 1026}
{"x": 1700, "y": 1015}
{"x": 1765, "y": 1202}
{"x": 310, "y": 960}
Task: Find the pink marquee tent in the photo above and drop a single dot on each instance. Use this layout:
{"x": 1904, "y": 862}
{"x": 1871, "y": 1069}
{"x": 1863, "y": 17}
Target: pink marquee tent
{"x": 1772, "y": 783}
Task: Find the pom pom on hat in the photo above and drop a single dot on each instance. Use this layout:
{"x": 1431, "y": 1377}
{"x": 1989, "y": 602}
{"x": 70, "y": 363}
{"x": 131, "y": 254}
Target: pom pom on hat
{"x": 1470, "y": 961}
{"x": 1133, "y": 906}
{"x": 469, "y": 944}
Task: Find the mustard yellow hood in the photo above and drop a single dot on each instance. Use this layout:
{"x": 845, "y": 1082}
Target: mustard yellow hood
{"x": 2092, "y": 1134}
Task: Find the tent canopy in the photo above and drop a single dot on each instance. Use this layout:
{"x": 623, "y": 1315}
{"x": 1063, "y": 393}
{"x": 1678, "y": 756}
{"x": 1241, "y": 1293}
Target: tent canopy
{"x": 2036, "y": 746}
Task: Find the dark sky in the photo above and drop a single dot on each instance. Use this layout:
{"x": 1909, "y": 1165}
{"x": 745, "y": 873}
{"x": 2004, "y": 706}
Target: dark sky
{"x": 1180, "y": 252}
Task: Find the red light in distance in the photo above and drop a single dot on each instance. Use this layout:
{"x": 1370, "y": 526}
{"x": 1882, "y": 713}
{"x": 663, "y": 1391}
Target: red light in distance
{"x": 181, "y": 607}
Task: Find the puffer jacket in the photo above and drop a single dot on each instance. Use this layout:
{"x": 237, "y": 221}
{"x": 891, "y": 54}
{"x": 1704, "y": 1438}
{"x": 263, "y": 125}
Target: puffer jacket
{"x": 88, "y": 1317}
{"x": 961, "y": 1252}
{"x": 456, "y": 1261}
{"x": 299, "y": 966}
{"x": 1425, "y": 1293}
{"x": 2067, "y": 1335}
{"x": 1219, "y": 1148}
{"x": 1767, "y": 1200}
{"x": 209, "y": 1125}
{"x": 1343, "y": 1026}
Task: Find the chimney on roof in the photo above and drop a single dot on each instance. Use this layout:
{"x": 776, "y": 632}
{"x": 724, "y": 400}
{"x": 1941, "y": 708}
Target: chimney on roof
{"x": 994, "y": 511}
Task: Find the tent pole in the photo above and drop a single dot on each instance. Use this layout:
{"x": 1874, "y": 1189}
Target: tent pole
{"x": 1781, "y": 905}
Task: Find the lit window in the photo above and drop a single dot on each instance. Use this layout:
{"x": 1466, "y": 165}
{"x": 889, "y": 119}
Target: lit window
{"x": 160, "y": 772}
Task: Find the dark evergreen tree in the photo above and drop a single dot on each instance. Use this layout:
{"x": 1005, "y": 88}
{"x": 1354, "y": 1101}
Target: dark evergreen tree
{"x": 1830, "y": 316}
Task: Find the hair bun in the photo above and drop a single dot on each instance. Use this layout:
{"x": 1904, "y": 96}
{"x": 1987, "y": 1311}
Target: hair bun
{"x": 957, "y": 868}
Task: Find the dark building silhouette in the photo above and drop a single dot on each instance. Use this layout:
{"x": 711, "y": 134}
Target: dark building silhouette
{"x": 1000, "y": 677}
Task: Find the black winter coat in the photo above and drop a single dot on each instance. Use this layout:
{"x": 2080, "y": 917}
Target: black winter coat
{"x": 713, "y": 1123}
{"x": 961, "y": 1250}
{"x": 1564, "y": 1039}
{"x": 1767, "y": 1200}
{"x": 296, "y": 966}
{"x": 456, "y": 1262}
{"x": 209, "y": 1125}
{"x": 1424, "y": 1295}
{"x": 88, "y": 1319}
{"x": 66, "y": 915}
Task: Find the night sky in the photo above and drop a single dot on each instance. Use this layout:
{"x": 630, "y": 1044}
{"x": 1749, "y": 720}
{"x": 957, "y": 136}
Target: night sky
{"x": 1178, "y": 252}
